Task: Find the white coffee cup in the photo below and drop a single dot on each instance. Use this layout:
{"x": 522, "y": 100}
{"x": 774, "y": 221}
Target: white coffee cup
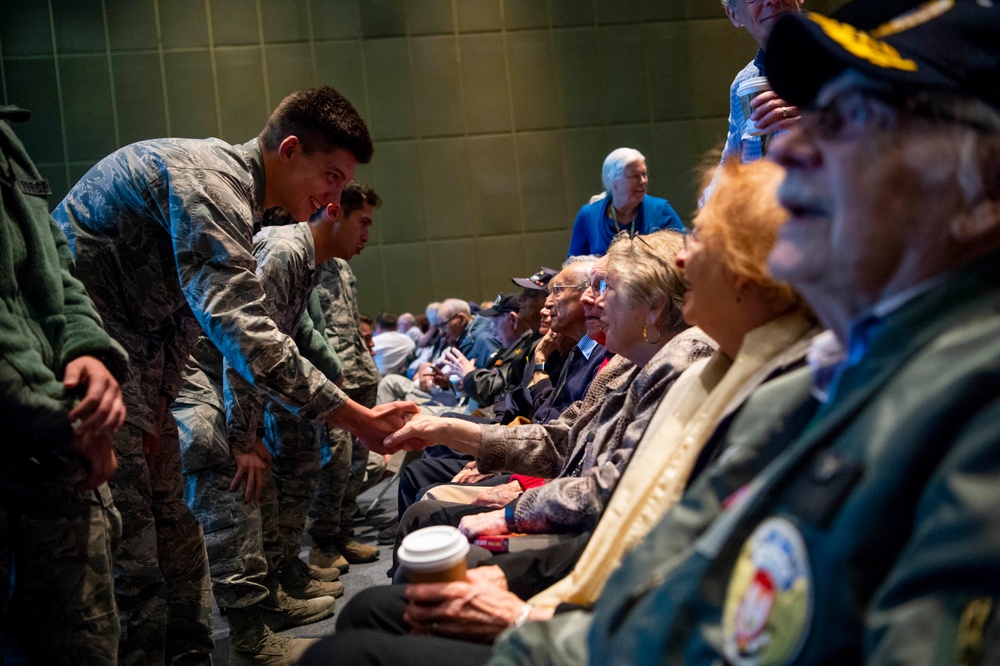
{"x": 746, "y": 91}
{"x": 434, "y": 555}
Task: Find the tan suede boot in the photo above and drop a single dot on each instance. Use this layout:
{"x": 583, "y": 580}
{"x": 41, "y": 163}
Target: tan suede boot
{"x": 356, "y": 552}
{"x": 252, "y": 643}
{"x": 293, "y": 575}
{"x": 280, "y": 611}
{"x": 324, "y": 559}
{"x": 328, "y": 575}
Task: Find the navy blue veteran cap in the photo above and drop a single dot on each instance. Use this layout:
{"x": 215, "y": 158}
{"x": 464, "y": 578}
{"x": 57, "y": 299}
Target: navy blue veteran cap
{"x": 503, "y": 304}
{"x": 946, "y": 45}
{"x": 539, "y": 281}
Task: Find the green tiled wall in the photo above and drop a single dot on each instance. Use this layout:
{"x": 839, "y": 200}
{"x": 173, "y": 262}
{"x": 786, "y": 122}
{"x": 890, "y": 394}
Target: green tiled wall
{"x": 491, "y": 117}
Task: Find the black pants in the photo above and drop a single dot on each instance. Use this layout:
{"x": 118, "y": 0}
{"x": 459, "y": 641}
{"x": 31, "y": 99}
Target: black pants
{"x": 422, "y": 473}
{"x": 432, "y": 512}
{"x": 371, "y": 630}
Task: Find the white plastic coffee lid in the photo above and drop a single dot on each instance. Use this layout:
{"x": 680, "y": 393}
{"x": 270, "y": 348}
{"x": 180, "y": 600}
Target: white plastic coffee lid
{"x": 433, "y": 548}
{"x": 755, "y": 85}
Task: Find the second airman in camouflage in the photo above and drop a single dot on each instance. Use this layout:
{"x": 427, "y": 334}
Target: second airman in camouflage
{"x": 344, "y": 463}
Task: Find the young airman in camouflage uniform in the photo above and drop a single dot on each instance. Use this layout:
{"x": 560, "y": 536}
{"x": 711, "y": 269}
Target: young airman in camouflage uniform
{"x": 59, "y": 405}
{"x": 344, "y": 464}
{"x": 219, "y": 460}
{"x": 162, "y": 233}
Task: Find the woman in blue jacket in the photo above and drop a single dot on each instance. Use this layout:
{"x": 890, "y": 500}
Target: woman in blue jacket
{"x": 625, "y": 206}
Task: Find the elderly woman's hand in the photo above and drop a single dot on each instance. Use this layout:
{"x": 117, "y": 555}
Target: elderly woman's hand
{"x": 499, "y": 496}
{"x": 421, "y": 431}
{"x": 492, "y": 522}
{"x": 771, "y": 113}
{"x": 470, "y": 474}
{"x": 476, "y": 611}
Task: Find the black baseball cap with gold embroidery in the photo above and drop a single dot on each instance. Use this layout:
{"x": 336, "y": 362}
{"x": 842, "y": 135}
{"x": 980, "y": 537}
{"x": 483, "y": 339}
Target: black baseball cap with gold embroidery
{"x": 945, "y": 45}
{"x": 502, "y": 304}
{"x": 538, "y": 282}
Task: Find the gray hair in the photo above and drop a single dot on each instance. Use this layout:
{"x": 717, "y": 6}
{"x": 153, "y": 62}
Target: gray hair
{"x": 451, "y": 307}
{"x": 615, "y": 163}
{"x": 971, "y": 119}
{"x": 648, "y": 272}
{"x": 729, "y": 4}
{"x": 582, "y": 263}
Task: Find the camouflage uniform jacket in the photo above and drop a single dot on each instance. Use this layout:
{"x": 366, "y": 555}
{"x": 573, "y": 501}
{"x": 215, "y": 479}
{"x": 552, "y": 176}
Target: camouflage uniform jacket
{"x": 46, "y": 317}
{"x": 339, "y": 299}
{"x": 286, "y": 267}
{"x": 163, "y": 229}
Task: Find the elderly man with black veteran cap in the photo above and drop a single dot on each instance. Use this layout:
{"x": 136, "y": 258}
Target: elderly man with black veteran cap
{"x": 867, "y": 530}
{"x": 504, "y": 367}
{"x": 534, "y": 289}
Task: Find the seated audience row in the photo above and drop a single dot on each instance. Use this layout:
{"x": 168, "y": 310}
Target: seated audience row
{"x": 775, "y": 512}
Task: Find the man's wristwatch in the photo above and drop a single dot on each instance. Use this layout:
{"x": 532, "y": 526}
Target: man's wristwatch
{"x": 508, "y": 516}
{"x": 540, "y": 367}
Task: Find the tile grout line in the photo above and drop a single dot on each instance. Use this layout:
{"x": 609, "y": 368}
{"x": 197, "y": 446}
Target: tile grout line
{"x": 263, "y": 57}
{"x": 508, "y": 82}
{"x": 310, "y": 30}
{"x": 163, "y": 66}
{"x": 383, "y": 278}
{"x": 517, "y": 156}
{"x": 3, "y": 75}
{"x": 111, "y": 75}
{"x": 215, "y": 70}
{"x": 59, "y": 94}
{"x": 466, "y": 147}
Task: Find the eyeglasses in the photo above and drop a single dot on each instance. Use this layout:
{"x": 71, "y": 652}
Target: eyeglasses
{"x": 598, "y": 287}
{"x": 692, "y": 235}
{"x": 447, "y": 321}
{"x": 559, "y": 288}
{"x": 846, "y": 115}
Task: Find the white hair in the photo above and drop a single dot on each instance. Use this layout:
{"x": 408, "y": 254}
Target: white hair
{"x": 582, "y": 263}
{"x": 615, "y": 163}
{"x": 451, "y": 307}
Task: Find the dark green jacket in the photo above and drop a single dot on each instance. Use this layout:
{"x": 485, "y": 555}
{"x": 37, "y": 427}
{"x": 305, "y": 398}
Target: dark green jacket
{"x": 873, "y": 538}
{"x": 46, "y": 317}
{"x": 503, "y": 372}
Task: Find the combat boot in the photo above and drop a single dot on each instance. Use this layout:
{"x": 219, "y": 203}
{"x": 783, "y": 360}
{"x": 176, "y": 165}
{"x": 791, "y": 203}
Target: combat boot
{"x": 252, "y": 643}
{"x": 294, "y": 578}
{"x": 356, "y": 552}
{"x": 324, "y": 559}
{"x": 328, "y": 575}
{"x": 280, "y": 611}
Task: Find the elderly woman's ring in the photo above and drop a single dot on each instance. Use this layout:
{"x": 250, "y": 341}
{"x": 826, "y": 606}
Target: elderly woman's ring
{"x": 784, "y": 112}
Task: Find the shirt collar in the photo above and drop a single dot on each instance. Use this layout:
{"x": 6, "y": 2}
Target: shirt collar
{"x": 824, "y": 357}
{"x": 831, "y": 359}
{"x": 587, "y": 346}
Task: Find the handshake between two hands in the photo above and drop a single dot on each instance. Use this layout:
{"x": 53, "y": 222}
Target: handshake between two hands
{"x": 395, "y": 426}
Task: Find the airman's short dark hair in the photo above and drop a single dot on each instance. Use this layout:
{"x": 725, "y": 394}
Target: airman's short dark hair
{"x": 323, "y": 120}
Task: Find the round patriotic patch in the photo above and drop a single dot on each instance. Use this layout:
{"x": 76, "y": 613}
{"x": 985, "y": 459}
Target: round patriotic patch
{"x": 769, "y": 600}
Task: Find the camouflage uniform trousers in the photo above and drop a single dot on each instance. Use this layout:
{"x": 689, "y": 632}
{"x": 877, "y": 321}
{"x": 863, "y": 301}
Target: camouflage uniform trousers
{"x": 341, "y": 477}
{"x": 233, "y": 534}
{"x": 162, "y": 582}
{"x": 62, "y": 606}
{"x": 294, "y": 443}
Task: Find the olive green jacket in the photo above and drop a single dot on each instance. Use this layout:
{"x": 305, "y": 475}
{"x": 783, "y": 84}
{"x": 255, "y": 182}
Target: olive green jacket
{"x": 46, "y": 317}
{"x": 873, "y": 537}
